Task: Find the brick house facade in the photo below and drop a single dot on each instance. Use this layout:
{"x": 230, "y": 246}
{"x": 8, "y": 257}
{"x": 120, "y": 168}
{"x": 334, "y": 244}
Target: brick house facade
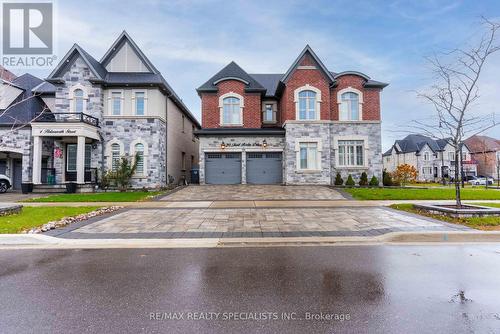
{"x": 301, "y": 127}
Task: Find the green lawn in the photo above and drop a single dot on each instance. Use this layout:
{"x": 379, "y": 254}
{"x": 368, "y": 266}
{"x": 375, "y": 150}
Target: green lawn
{"x": 132, "y": 196}
{"x": 482, "y": 223}
{"x": 422, "y": 194}
{"x": 31, "y": 217}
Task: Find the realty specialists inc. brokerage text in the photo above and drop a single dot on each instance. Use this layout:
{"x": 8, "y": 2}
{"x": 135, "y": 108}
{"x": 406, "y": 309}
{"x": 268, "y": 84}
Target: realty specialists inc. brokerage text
{"x": 248, "y": 316}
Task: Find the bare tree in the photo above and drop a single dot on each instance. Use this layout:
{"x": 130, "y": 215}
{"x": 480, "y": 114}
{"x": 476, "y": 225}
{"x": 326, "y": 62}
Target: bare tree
{"x": 455, "y": 91}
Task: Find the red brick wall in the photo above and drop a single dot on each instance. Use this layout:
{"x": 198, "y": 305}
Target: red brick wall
{"x": 371, "y": 97}
{"x": 252, "y": 115}
{"x": 300, "y": 77}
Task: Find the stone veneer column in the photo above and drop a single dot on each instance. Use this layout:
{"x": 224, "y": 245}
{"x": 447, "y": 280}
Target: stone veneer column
{"x": 37, "y": 160}
{"x": 80, "y": 160}
{"x": 243, "y": 167}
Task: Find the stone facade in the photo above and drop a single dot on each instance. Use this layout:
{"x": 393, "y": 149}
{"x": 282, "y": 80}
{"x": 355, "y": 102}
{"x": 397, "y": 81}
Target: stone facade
{"x": 241, "y": 144}
{"x": 151, "y": 132}
{"x": 18, "y": 145}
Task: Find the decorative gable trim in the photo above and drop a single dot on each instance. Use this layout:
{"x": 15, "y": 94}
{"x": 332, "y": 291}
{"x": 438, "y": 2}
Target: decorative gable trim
{"x": 296, "y": 65}
{"x": 76, "y": 50}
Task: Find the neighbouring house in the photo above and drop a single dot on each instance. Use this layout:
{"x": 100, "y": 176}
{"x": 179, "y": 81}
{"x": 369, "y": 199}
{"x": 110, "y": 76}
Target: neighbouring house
{"x": 6, "y": 75}
{"x": 433, "y": 159}
{"x": 300, "y": 127}
{"x": 486, "y": 151}
{"x": 88, "y": 114}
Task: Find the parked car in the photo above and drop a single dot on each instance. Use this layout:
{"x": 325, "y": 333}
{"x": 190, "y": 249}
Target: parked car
{"x": 481, "y": 181}
{"x": 5, "y": 183}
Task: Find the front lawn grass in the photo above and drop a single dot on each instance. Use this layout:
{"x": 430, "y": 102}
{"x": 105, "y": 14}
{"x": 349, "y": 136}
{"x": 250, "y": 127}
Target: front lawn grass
{"x": 131, "y": 196}
{"x": 481, "y": 223}
{"x": 30, "y": 217}
{"x": 422, "y": 194}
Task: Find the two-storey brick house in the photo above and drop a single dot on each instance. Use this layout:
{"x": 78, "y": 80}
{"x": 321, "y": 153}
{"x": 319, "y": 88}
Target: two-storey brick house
{"x": 301, "y": 127}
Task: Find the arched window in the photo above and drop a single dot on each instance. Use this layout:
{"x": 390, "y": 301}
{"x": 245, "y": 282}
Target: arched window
{"x": 231, "y": 111}
{"x": 307, "y": 105}
{"x": 115, "y": 156}
{"x": 78, "y": 100}
{"x": 139, "y": 154}
{"x": 350, "y": 107}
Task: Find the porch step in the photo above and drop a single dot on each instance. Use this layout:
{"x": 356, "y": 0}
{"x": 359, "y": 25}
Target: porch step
{"x": 60, "y": 188}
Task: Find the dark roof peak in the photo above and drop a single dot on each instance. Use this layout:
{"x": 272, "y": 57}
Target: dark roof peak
{"x": 231, "y": 71}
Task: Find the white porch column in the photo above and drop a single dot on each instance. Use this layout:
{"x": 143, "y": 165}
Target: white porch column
{"x": 37, "y": 160}
{"x": 80, "y": 160}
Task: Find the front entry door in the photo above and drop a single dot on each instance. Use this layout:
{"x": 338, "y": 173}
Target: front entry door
{"x": 71, "y": 161}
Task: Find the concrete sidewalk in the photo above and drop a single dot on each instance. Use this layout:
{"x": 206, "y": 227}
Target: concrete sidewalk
{"x": 253, "y": 204}
{"x": 37, "y": 241}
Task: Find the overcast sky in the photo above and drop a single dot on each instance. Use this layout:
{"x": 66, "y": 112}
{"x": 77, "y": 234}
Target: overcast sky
{"x": 189, "y": 41}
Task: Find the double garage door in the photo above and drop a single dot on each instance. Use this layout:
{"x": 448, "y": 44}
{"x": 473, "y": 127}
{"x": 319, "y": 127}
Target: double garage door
{"x": 262, "y": 168}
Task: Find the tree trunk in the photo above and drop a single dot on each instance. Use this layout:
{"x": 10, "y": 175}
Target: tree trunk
{"x": 458, "y": 200}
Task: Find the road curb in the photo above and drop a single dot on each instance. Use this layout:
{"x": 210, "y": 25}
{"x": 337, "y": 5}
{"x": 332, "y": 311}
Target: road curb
{"x": 25, "y": 241}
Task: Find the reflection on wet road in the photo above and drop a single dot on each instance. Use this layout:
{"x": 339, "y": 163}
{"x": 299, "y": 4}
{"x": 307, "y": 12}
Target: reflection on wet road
{"x": 366, "y": 289}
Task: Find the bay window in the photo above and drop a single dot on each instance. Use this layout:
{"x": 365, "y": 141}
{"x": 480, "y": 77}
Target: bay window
{"x": 351, "y": 153}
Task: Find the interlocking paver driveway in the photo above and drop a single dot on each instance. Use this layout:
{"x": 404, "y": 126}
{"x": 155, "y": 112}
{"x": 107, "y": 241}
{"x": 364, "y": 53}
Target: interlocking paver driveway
{"x": 260, "y": 220}
{"x": 253, "y": 192}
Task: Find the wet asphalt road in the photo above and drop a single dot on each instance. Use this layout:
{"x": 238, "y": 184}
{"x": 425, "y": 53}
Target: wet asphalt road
{"x": 381, "y": 289}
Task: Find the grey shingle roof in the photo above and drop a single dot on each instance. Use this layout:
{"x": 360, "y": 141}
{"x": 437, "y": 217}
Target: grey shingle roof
{"x": 25, "y": 107}
{"x": 415, "y": 143}
{"x": 269, "y": 81}
{"x": 232, "y": 71}
{"x": 44, "y": 88}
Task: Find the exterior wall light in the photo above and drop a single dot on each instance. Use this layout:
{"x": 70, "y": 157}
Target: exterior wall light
{"x": 223, "y": 145}
{"x": 264, "y": 143}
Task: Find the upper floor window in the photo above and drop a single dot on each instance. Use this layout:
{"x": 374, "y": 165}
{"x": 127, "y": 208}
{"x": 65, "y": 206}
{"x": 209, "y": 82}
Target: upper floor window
{"x": 426, "y": 156}
{"x": 351, "y": 153}
{"x": 451, "y": 156}
{"x": 116, "y": 103}
{"x": 115, "y": 156}
{"x": 139, "y": 153}
{"x": 78, "y": 100}
{"x": 269, "y": 115}
{"x": 139, "y": 103}
{"x": 307, "y": 105}
{"x": 231, "y": 110}
{"x": 350, "y": 104}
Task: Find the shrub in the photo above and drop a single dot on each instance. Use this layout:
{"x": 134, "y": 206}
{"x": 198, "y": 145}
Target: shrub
{"x": 374, "y": 181}
{"x": 405, "y": 174}
{"x": 363, "y": 180}
{"x": 350, "y": 181}
{"x": 338, "y": 180}
{"x": 122, "y": 176}
{"x": 387, "y": 179}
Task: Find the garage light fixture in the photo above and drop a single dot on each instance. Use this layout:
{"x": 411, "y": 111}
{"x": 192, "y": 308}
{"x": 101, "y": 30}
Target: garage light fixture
{"x": 264, "y": 143}
{"x": 223, "y": 145}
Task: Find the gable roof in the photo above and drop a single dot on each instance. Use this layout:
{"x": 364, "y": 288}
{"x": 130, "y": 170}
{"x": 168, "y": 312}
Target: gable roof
{"x": 232, "y": 71}
{"x": 27, "y": 105}
{"x": 116, "y": 46}
{"x": 97, "y": 69}
{"x": 295, "y": 64}
{"x": 481, "y": 144}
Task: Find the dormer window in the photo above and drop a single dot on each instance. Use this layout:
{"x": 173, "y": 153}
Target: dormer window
{"x": 231, "y": 109}
{"x": 350, "y": 104}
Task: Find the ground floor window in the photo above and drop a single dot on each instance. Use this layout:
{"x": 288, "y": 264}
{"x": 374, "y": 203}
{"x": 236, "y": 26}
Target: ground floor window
{"x": 139, "y": 152}
{"x": 351, "y": 153}
{"x": 72, "y": 156}
{"x": 308, "y": 155}
{"x": 427, "y": 170}
{"x": 115, "y": 157}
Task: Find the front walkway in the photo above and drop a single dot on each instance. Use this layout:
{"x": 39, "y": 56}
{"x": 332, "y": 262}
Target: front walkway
{"x": 272, "y": 222}
{"x": 239, "y": 192}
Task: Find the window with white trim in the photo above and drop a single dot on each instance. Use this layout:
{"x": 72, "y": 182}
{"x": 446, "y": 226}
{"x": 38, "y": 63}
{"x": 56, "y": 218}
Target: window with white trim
{"x": 78, "y": 100}
{"x": 231, "y": 111}
{"x": 269, "y": 114}
{"x": 451, "y": 156}
{"x": 115, "y": 157}
{"x": 116, "y": 103}
{"x": 426, "y": 156}
{"x": 308, "y": 156}
{"x": 349, "y": 106}
{"x": 139, "y": 154}
{"x": 307, "y": 105}
{"x": 140, "y": 104}
{"x": 351, "y": 153}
